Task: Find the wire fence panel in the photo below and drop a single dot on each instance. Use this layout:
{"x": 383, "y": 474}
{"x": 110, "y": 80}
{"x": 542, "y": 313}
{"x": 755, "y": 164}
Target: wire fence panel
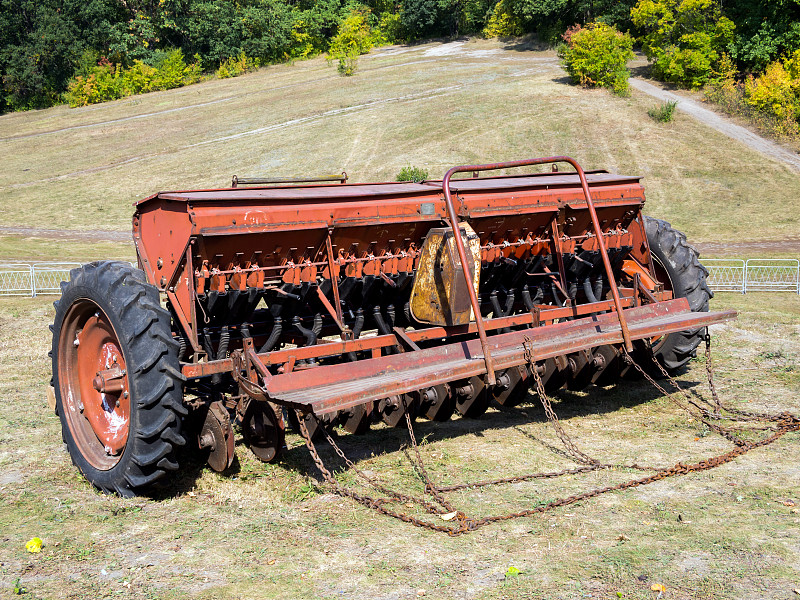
{"x": 725, "y": 274}
{"x": 776, "y": 275}
{"x": 47, "y": 277}
{"x": 16, "y": 279}
{"x": 32, "y": 279}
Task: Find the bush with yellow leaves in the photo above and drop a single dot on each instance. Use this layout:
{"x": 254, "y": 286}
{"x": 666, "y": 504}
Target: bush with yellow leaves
{"x": 352, "y": 40}
{"x": 777, "y": 90}
{"x": 597, "y": 56}
{"x": 237, "y": 65}
{"x": 503, "y": 23}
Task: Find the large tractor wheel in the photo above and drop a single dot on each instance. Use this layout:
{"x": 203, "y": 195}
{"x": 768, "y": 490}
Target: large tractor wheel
{"x": 117, "y": 378}
{"x": 678, "y": 267}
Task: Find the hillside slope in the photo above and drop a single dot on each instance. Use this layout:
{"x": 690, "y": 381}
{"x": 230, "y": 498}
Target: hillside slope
{"x": 434, "y": 106}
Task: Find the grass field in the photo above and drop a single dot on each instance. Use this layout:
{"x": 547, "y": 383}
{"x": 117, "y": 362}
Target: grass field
{"x": 272, "y": 531}
{"x": 432, "y": 106}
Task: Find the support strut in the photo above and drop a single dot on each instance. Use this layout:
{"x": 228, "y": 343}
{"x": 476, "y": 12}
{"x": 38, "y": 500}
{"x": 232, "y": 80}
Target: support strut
{"x": 454, "y": 224}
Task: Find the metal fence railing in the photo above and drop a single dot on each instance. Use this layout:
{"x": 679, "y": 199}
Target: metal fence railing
{"x": 753, "y": 275}
{"x": 47, "y": 277}
{"x": 32, "y": 279}
{"x": 724, "y": 275}
{"x": 16, "y": 279}
{"x": 776, "y": 274}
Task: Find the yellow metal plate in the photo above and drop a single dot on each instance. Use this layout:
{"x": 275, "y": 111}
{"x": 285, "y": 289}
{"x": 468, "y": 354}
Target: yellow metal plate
{"x": 439, "y": 295}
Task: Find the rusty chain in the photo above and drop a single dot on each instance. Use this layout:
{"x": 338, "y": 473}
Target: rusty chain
{"x": 704, "y": 415}
{"x": 569, "y": 445}
{"x": 782, "y": 424}
{"x": 396, "y": 496}
{"x": 378, "y": 504}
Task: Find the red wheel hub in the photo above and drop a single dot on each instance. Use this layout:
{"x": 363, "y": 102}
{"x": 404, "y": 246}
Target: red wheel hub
{"x": 94, "y": 384}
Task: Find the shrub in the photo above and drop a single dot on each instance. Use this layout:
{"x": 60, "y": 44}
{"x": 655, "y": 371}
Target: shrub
{"x": 237, "y": 65}
{"x": 664, "y": 112}
{"x": 723, "y": 74}
{"x": 472, "y": 16}
{"x": 170, "y": 70}
{"x": 303, "y": 44}
{"x": 684, "y": 39}
{"x": 390, "y": 30}
{"x": 770, "y": 102}
{"x": 414, "y": 174}
{"x": 106, "y": 81}
{"x": 597, "y": 55}
{"x": 502, "y": 22}
{"x": 352, "y": 40}
{"x": 777, "y": 90}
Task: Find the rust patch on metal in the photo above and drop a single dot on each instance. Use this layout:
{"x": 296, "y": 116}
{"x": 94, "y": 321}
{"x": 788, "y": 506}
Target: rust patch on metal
{"x": 439, "y": 295}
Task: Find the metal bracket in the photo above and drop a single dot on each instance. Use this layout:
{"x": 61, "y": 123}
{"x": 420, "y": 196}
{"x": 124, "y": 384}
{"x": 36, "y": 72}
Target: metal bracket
{"x": 403, "y": 337}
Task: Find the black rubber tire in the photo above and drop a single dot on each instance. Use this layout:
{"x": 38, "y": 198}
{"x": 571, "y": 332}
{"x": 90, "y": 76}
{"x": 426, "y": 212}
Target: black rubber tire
{"x": 154, "y": 375}
{"x": 687, "y": 278}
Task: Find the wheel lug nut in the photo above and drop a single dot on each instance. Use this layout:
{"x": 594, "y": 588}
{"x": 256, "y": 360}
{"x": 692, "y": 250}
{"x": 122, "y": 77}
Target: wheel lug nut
{"x": 125, "y": 394}
{"x": 117, "y": 403}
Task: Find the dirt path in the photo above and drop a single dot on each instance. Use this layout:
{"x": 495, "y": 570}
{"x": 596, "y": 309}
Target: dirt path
{"x": 721, "y": 124}
{"x": 66, "y": 234}
{"x": 743, "y": 249}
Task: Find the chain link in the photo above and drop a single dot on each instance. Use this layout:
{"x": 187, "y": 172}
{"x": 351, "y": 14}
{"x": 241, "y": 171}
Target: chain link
{"x": 439, "y": 506}
{"x": 569, "y": 445}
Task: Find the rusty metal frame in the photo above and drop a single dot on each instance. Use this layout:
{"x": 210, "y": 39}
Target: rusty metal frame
{"x": 236, "y": 181}
{"x": 544, "y": 315}
{"x": 454, "y": 224}
{"x": 329, "y": 388}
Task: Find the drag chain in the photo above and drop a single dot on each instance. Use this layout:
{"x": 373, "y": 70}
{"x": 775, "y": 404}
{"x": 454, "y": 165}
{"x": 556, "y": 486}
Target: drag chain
{"x": 435, "y": 503}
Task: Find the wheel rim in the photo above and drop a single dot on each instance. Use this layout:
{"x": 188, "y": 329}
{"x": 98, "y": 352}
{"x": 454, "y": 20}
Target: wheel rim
{"x": 93, "y": 383}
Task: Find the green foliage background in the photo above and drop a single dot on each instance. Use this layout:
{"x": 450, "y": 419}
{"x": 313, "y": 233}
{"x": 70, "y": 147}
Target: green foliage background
{"x": 46, "y": 45}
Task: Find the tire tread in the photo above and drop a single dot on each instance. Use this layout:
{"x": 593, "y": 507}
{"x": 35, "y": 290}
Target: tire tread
{"x": 156, "y": 384}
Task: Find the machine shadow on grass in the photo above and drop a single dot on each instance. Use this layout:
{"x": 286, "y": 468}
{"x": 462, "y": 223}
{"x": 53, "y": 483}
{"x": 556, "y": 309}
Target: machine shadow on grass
{"x": 386, "y": 440}
{"x": 528, "y": 43}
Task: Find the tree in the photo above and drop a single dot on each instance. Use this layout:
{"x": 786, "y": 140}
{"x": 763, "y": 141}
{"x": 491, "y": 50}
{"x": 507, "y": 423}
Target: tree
{"x": 421, "y": 17}
{"x": 685, "y": 39}
{"x": 765, "y": 31}
{"x": 352, "y": 40}
{"x": 42, "y": 42}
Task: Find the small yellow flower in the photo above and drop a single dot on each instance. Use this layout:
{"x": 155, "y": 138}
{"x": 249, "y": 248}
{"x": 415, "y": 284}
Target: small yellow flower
{"x": 34, "y": 545}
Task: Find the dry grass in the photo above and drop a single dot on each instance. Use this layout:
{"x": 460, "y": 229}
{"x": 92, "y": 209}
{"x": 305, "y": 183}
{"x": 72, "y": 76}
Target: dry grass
{"x": 270, "y": 531}
{"x": 20, "y": 248}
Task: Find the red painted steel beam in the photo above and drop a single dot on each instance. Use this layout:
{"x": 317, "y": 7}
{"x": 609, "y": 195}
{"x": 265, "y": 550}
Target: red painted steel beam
{"x": 338, "y": 387}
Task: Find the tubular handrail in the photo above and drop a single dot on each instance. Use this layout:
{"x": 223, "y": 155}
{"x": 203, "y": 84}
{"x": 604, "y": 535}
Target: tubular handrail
{"x": 236, "y": 181}
{"x": 473, "y": 297}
